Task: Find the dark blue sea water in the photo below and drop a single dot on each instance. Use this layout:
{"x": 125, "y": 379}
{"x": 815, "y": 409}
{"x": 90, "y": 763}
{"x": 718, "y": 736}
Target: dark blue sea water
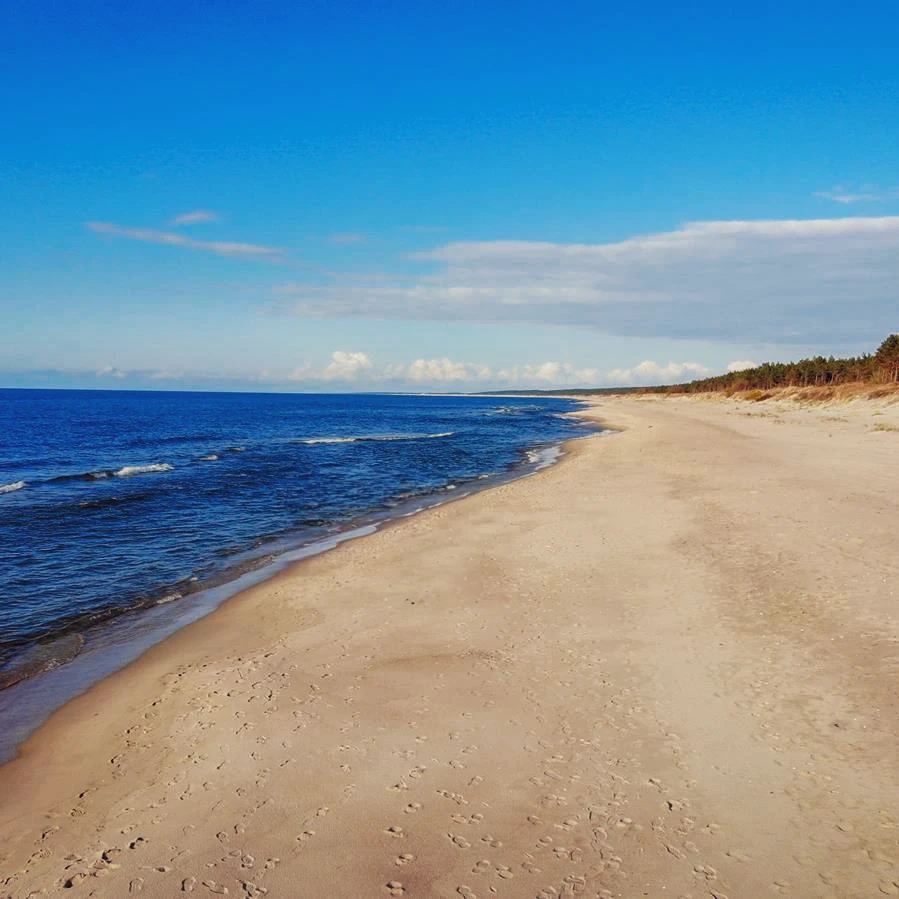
{"x": 113, "y": 502}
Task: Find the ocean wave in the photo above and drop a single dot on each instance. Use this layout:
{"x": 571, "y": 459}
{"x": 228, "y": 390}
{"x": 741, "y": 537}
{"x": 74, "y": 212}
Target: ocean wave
{"x": 131, "y": 470}
{"x": 544, "y": 457}
{"x": 11, "y": 488}
{"x": 373, "y": 438}
{"x": 102, "y": 474}
{"x": 212, "y": 457}
{"x": 515, "y": 410}
{"x": 107, "y": 501}
{"x": 81, "y": 476}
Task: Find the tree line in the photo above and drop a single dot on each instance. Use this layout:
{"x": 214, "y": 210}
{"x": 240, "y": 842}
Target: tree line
{"x": 880, "y": 367}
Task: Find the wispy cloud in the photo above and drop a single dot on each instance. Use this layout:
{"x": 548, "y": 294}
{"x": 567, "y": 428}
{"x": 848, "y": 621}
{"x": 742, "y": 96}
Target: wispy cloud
{"x": 346, "y": 238}
{"x": 867, "y": 193}
{"x": 110, "y": 371}
{"x": 219, "y": 247}
{"x": 197, "y": 217}
{"x": 770, "y": 281}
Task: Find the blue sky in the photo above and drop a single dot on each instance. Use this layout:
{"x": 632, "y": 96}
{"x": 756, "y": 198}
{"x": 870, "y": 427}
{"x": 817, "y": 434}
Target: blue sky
{"x": 345, "y": 195}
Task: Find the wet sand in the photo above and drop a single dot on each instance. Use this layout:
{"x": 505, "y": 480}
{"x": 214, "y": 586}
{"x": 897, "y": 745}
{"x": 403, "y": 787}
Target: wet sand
{"x": 668, "y": 666}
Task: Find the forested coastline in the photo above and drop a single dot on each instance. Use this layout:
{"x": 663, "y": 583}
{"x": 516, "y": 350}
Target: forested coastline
{"x": 880, "y": 367}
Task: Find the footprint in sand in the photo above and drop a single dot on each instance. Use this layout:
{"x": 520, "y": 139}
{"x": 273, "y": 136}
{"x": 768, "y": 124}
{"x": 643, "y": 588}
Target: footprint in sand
{"x": 395, "y": 888}
{"x": 404, "y": 859}
{"x": 459, "y": 841}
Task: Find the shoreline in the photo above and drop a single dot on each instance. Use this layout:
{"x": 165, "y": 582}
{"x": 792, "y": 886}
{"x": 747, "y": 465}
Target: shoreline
{"x": 26, "y": 705}
{"x": 621, "y": 677}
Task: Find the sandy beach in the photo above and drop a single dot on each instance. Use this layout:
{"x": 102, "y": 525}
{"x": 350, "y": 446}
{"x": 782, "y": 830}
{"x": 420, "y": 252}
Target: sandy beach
{"x": 667, "y": 666}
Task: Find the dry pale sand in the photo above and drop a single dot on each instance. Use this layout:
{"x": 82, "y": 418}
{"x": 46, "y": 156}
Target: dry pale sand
{"x": 666, "y": 667}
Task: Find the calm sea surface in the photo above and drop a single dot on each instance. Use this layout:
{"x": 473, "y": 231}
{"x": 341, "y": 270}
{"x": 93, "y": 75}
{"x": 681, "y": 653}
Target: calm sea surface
{"x": 113, "y": 502}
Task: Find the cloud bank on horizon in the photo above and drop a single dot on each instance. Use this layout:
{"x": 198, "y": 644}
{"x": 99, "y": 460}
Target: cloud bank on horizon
{"x": 351, "y": 369}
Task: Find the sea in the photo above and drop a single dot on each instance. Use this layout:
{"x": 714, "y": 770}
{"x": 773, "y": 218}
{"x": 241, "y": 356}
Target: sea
{"x": 125, "y": 515}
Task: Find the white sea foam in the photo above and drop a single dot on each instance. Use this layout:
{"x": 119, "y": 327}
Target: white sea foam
{"x": 130, "y": 470}
{"x": 543, "y": 458}
{"x": 212, "y": 457}
{"x": 365, "y": 438}
{"x": 10, "y": 488}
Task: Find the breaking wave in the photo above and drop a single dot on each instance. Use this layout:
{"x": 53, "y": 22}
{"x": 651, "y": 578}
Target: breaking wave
{"x": 373, "y": 438}
{"x": 11, "y": 488}
{"x": 131, "y": 470}
{"x": 126, "y": 471}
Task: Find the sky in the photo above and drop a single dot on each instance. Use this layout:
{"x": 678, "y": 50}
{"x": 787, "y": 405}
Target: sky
{"x": 457, "y": 196}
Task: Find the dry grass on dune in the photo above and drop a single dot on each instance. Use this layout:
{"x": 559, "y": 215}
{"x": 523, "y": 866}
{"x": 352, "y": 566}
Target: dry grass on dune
{"x": 822, "y": 394}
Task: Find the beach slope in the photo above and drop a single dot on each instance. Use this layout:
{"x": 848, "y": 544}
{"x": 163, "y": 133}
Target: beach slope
{"x": 668, "y": 666}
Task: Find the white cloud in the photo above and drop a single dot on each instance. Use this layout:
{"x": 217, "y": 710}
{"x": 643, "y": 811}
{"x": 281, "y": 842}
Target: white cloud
{"x": 360, "y": 368}
{"x": 346, "y": 238}
{"x": 868, "y": 193}
{"x": 650, "y": 372}
{"x": 777, "y": 281}
{"x": 556, "y": 373}
{"x": 219, "y": 247}
{"x": 439, "y": 370}
{"x": 741, "y": 365}
{"x": 110, "y": 371}
{"x": 546, "y": 373}
{"x": 346, "y": 366}
{"x": 197, "y": 217}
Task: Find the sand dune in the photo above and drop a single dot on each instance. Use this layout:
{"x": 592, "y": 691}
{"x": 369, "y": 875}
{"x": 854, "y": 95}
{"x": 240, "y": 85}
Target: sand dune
{"x": 668, "y": 666}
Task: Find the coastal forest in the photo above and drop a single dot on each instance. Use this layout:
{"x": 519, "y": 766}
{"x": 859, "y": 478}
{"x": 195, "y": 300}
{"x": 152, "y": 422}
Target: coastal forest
{"x": 877, "y": 369}
{"x": 880, "y": 367}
